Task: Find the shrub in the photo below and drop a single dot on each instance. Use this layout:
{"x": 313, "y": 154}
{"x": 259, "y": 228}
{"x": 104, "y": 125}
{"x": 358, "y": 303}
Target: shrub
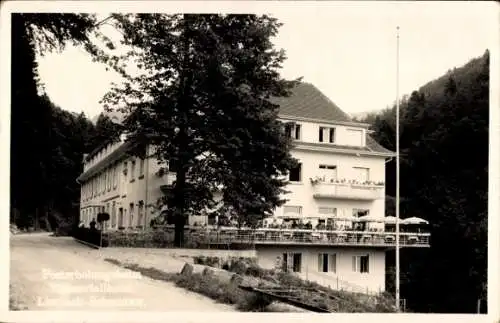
{"x": 91, "y": 236}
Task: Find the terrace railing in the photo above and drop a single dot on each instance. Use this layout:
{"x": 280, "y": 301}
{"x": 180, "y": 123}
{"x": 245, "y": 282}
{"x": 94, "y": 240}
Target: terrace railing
{"x": 310, "y": 237}
{"x": 268, "y": 236}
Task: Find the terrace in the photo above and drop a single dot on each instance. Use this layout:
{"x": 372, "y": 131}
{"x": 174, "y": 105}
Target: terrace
{"x": 197, "y": 235}
{"x": 270, "y": 236}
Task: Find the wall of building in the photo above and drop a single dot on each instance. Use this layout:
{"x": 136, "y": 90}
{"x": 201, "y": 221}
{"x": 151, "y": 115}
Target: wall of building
{"x": 344, "y": 276}
{"x": 301, "y": 193}
{"x": 142, "y": 189}
{"x": 343, "y": 135}
{"x": 116, "y": 190}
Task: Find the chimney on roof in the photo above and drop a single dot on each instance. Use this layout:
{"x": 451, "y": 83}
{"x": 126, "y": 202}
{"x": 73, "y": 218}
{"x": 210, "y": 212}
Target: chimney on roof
{"x": 84, "y": 157}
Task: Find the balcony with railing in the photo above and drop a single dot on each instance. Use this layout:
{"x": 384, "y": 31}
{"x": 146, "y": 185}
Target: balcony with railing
{"x": 342, "y": 189}
{"x": 268, "y": 236}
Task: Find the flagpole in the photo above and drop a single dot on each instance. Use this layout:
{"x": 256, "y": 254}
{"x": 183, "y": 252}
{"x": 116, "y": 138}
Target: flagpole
{"x": 397, "y": 171}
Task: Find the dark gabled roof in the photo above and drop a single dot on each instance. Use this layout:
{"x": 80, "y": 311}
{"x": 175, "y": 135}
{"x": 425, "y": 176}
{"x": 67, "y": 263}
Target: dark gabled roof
{"x": 373, "y": 145}
{"x": 306, "y": 101}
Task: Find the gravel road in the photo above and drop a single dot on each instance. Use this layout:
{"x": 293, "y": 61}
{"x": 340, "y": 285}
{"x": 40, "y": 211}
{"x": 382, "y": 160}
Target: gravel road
{"x": 57, "y": 273}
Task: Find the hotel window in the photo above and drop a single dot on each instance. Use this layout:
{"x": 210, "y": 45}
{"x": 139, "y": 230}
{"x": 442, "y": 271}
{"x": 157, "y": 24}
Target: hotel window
{"x": 360, "y": 212}
{"x": 292, "y": 209}
{"x": 329, "y": 171}
{"x": 132, "y": 170}
{"x": 292, "y": 130}
{"x": 110, "y": 173}
{"x": 115, "y": 176}
{"x": 140, "y": 213}
{"x": 362, "y": 174}
{"x": 106, "y": 224}
{"x": 113, "y": 215}
{"x": 361, "y": 264}
{"x": 327, "y": 263}
{"x": 292, "y": 262}
{"x": 125, "y": 170}
{"x": 125, "y": 219}
{"x": 355, "y": 137}
{"x": 131, "y": 213}
{"x": 326, "y": 134}
{"x": 327, "y": 210}
{"x": 141, "y": 167}
{"x": 295, "y": 174}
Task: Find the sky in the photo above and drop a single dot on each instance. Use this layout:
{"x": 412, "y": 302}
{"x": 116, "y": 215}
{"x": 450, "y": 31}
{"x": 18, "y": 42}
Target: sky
{"x": 348, "y": 50}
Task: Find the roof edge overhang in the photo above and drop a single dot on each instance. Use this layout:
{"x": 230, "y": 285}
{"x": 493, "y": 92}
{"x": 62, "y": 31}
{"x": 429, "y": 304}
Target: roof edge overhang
{"x": 344, "y": 151}
{"x": 111, "y": 158}
{"x": 332, "y": 122}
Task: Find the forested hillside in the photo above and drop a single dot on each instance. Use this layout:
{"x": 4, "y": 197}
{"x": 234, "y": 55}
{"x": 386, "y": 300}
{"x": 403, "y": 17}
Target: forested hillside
{"x": 70, "y": 136}
{"x": 47, "y": 143}
{"x": 444, "y": 179}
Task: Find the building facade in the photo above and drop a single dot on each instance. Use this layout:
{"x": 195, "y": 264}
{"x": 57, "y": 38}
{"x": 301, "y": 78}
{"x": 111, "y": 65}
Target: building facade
{"x": 340, "y": 177}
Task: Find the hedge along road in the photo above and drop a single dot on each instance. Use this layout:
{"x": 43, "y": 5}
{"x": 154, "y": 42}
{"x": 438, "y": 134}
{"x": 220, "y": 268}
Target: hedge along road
{"x": 57, "y": 273}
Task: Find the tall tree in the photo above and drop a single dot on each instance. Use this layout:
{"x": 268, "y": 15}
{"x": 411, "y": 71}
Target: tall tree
{"x": 204, "y": 102}
{"x": 105, "y": 129}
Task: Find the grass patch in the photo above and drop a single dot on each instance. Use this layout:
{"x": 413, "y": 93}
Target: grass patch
{"x": 334, "y": 300}
{"x": 207, "y": 285}
{"x": 229, "y": 293}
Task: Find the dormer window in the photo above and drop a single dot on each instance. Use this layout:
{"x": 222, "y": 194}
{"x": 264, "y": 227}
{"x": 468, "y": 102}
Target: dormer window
{"x": 327, "y": 134}
{"x": 292, "y": 130}
{"x": 355, "y": 137}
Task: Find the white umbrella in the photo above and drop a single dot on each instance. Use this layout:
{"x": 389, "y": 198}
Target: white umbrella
{"x": 414, "y": 220}
{"x": 390, "y": 219}
{"x": 370, "y": 218}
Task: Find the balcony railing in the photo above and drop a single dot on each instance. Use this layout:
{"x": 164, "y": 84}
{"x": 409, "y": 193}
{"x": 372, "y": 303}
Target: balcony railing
{"x": 310, "y": 237}
{"x": 348, "y": 191}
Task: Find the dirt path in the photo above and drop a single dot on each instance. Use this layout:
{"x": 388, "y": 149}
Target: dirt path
{"x": 49, "y": 273}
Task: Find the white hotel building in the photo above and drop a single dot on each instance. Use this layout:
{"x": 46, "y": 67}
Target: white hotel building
{"x": 341, "y": 175}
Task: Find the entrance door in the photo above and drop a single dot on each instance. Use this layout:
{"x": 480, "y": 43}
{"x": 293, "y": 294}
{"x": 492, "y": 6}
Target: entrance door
{"x": 292, "y": 262}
